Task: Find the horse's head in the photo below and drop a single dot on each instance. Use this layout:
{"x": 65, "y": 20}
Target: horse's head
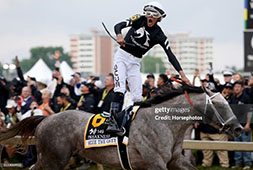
{"x": 222, "y": 114}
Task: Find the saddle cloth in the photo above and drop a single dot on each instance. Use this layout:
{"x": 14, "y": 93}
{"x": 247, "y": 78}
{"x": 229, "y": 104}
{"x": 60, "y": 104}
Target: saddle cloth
{"x": 95, "y": 134}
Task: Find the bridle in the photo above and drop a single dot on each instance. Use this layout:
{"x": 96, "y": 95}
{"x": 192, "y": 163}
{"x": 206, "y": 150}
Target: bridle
{"x": 223, "y": 122}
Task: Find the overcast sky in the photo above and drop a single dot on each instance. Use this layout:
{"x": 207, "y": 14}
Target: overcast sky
{"x": 28, "y": 23}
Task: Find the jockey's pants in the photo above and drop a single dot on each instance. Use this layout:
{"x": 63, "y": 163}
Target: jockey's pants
{"x": 127, "y": 67}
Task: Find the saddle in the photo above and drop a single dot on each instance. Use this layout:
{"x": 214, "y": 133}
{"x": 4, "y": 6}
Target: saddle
{"x": 96, "y": 136}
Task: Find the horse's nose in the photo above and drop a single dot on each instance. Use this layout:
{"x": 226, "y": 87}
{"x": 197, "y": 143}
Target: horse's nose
{"x": 237, "y": 130}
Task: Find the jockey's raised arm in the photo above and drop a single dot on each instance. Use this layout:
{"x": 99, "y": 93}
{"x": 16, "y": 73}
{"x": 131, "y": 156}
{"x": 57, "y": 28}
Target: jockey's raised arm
{"x": 143, "y": 34}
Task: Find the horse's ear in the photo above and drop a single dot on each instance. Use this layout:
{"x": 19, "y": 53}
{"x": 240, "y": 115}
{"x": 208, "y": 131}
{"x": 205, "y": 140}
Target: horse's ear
{"x": 204, "y": 88}
{"x": 207, "y": 91}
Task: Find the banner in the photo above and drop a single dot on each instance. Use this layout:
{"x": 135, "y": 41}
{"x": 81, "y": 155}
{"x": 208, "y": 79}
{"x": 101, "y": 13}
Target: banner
{"x": 248, "y": 14}
{"x": 248, "y": 50}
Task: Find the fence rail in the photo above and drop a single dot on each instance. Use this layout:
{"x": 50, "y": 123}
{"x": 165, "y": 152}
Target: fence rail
{"x": 188, "y": 144}
{"x": 218, "y": 145}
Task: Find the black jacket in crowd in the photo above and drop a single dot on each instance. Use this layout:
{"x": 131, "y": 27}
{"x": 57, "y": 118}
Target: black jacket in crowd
{"x": 88, "y": 103}
{"x": 107, "y": 101}
{"x": 4, "y": 94}
{"x": 241, "y": 106}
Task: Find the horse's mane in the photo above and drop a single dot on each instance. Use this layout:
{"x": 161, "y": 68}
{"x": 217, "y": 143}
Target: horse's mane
{"x": 167, "y": 91}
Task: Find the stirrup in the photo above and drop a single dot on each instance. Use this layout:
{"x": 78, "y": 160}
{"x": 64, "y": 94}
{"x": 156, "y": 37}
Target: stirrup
{"x": 105, "y": 114}
{"x": 121, "y": 133}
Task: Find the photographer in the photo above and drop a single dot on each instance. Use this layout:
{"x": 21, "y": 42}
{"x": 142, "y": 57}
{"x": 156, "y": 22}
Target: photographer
{"x": 33, "y": 112}
{"x": 87, "y": 100}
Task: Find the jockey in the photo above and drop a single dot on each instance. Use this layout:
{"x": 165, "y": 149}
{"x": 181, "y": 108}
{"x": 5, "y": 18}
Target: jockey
{"x": 143, "y": 34}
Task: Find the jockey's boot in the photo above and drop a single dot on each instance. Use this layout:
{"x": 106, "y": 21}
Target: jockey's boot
{"x": 116, "y": 106}
{"x": 113, "y": 126}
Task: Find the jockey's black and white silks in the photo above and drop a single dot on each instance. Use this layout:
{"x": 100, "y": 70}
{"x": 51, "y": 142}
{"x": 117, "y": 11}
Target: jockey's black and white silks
{"x": 144, "y": 38}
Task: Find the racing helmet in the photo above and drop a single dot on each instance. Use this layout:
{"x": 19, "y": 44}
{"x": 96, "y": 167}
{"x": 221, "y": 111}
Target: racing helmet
{"x": 155, "y": 9}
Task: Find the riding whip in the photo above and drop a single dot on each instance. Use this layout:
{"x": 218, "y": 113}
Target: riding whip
{"x": 130, "y": 44}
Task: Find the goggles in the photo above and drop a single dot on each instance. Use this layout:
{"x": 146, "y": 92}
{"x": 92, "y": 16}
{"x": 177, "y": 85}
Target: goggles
{"x": 154, "y": 14}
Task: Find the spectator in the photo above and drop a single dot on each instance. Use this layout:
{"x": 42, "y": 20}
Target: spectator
{"x": 32, "y": 83}
{"x": 150, "y": 80}
{"x": 77, "y": 83}
{"x": 4, "y": 94}
{"x": 21, "y": 81}
{"x": 249, "y": 89}
{"x": 64, "y": 103}
{"x": 238, "y": 77}
{"x": 30, "y": 156}
{"x": 196, "y": 75}
{"x": 7, "y": 150}
{"x": 227, "y": 79}
{"x": 227, "y": 91}
{"x": 66, "y": 89}
{"x": 211, "y": 84}
{"x": 163, "y": 79}
{"x": 41, "y": 86}
{"x": 240, "y": 104}
{"x": 145, "y": 92}
{"x": 87, "y": 100}
{"x": 34, "y": 111}
{"x": 227, "y": 76}
{"x": 11, "y": 118}
{"x": 98, "y": 85}
{"x": 209, "y": 133}
{"x": 204, "y": 82}
{"x": 26, "y": 99}
{"x": 105, "y": 95}
{"x": 46, "y": 105}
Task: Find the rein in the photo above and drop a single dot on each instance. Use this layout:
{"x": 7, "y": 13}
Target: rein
{"x": 185, "y": 91}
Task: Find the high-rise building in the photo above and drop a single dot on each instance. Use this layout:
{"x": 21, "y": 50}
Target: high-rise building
{"x": 92, "y": 53}
{"x": 192, "y": 52}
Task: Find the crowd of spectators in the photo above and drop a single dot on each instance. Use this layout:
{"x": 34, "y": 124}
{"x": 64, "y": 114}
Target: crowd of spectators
{"x": 237, "y": 90}
{"x": 22, "y": 98}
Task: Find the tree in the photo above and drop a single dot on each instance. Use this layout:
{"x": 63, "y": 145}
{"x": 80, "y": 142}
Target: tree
{"x": 45, "y": 53}
{"x": 152, "y": 65}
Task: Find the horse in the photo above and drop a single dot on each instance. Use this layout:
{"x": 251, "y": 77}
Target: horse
{"x": 153, "y": 144}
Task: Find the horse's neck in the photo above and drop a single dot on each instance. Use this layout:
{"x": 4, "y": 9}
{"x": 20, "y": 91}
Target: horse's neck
{"x": 178, "y": 102}
{"x": 181, "y": 100}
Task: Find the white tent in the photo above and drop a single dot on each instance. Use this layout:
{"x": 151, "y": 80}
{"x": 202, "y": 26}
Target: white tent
{"x": 66, "y": 71}
{"x": 40, "y": 71}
